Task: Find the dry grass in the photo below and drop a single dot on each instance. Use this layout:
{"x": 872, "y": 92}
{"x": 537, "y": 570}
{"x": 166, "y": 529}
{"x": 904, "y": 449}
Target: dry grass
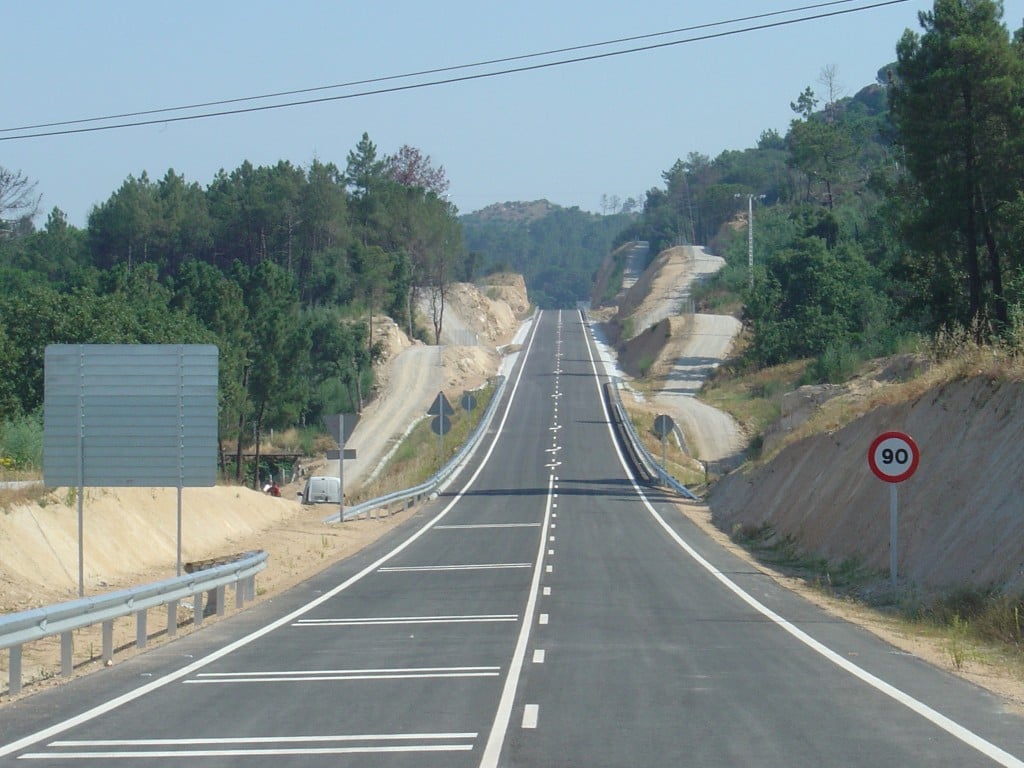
{"x": 754, "y": 399}
{"x": 16, "y": 497}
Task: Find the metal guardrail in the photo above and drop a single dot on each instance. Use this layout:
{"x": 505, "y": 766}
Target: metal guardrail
{"x": 651, "y": 464}
{"x": 413, "y": 495}
{"x": 16, "y": 629}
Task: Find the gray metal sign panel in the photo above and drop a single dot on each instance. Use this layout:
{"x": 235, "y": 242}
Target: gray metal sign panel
{"x": 333, "y": 422}
{"x": 130, "y": 415}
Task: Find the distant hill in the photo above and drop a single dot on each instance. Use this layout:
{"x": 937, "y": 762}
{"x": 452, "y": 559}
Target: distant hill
{"x": 557, "y": 250}
{"x": 512, "y": 212}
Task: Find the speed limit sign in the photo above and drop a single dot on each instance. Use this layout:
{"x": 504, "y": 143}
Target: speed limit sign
{"x": 893, "y": 457}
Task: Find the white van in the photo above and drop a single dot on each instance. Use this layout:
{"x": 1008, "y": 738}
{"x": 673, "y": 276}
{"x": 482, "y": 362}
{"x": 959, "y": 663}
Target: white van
{"x": 321, "y": 490}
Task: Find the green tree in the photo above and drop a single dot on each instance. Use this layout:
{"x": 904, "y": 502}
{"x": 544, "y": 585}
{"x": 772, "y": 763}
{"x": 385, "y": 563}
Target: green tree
{"x": 820, "y": 146}
{"x": 278, "y": 352}
{"x": 321, "y": 269}
{"x": 121, "y": 228}
{"x": 363, "y": 173}
{"x": 957, "y": 106}
{"x": 217, "y": 301}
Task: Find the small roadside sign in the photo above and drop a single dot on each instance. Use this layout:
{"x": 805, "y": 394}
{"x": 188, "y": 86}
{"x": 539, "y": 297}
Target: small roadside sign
{"x": 440, "y": 406}
{"x": 350, "y": 453}
{"x": 663, "y": 426}
{"x": 341, "y": 426}
{"x": 441, "y": 425}
{"x": 468, "y": 401}
{"x": 893, "y": 457}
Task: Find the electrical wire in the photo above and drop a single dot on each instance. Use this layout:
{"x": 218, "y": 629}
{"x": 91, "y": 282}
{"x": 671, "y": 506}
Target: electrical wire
{"x": 444, "y": 81}
{"x": 421, "y": 73}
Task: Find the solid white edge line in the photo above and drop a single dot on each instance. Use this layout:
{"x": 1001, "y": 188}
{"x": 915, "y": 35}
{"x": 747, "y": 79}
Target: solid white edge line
{"x": 112, "y": 704}
{"x": 951, "y": 727}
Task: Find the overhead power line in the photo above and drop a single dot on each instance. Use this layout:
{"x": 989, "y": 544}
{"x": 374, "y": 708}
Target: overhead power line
{"x": 421, "y": 73}
{"x": 61, "y": 130}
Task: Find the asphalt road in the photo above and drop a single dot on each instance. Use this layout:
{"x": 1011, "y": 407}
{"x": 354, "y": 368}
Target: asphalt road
{"x": 547, "y": 613}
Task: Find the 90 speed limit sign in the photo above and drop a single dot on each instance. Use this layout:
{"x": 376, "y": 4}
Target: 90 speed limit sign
{"x": 893, "y": 457}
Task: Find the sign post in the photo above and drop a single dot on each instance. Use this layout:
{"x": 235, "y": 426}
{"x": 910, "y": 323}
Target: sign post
{"x": 441, "y": 409}
{"x": 341, "y": 426}
{"x": 893, "y": 457}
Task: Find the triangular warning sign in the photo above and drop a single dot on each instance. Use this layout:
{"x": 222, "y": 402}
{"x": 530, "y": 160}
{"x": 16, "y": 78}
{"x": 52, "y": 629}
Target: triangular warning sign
{"x": 440, "y": 406}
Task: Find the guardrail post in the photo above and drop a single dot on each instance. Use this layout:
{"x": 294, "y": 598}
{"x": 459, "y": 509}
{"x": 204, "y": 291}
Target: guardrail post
{"x": 221, "y": 600}
{"x": 14, "y": 673}
{"x": 140, "y": 629}
{"x": 197, "y": 608}
{"x": 172, "y": 618}
{"x": 239, "y": 595}
{"x": 108, "y": 640}
{"x": 67, "y": 645}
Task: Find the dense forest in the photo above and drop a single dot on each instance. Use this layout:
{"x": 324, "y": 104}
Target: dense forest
{"x": 280, "y": 266}
{"x": 890, "y": 215}
{"x": 557, "y": 250}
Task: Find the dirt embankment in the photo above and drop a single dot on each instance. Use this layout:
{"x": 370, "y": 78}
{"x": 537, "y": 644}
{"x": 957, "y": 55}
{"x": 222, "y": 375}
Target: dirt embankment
{"x": 960, "y": 518}
{"x": 674, "y": 350}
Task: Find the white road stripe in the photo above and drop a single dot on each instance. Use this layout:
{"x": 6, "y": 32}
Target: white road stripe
{"x": 469, "y": 527}
{"x": 387, "y": 620}
{"x": 260, "y": 739}
{"x": 202, "y": 742}
{"x": 470, "y": 567}
{"x": 530, "y": 714}
{"x": 328, "y": 678}
{"x": 195, "y": 753}
{"x": 538, "y": 656}
{"x": 395, "y": 670}
{"x": 503, "y": 716}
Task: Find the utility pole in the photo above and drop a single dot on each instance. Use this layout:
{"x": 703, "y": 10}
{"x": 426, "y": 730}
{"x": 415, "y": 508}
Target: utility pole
{"x": 750, "y": 234}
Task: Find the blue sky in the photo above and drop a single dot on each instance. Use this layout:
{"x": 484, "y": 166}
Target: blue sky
{"x": 569, "y": 134}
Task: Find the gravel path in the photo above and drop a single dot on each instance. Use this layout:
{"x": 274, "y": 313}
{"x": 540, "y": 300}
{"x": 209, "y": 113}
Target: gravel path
{"x": 714, "y": 435}
{"x": 414, "y": 379}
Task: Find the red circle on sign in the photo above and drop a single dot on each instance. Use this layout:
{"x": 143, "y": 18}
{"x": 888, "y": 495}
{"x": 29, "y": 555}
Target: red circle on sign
{"x": 894, "y": 442}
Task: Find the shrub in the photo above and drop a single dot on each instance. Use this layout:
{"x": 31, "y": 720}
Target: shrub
{"x": 21, "y": 442}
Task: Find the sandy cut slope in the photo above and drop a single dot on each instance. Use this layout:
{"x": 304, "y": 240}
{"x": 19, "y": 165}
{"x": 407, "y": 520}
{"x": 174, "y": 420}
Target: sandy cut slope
{"x": 960, "y": 520}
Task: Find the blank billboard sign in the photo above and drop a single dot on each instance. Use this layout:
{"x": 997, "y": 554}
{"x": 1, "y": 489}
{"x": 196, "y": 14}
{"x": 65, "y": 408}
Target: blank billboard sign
{"x": 130, "y": 415}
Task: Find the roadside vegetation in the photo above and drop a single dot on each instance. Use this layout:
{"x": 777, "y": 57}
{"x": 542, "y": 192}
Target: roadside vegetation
{"x": 971, "y": 627}
{"x": 419, "y": 457}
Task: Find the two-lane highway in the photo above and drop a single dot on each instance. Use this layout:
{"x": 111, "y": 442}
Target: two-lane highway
{"x": 548, "y": 612}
